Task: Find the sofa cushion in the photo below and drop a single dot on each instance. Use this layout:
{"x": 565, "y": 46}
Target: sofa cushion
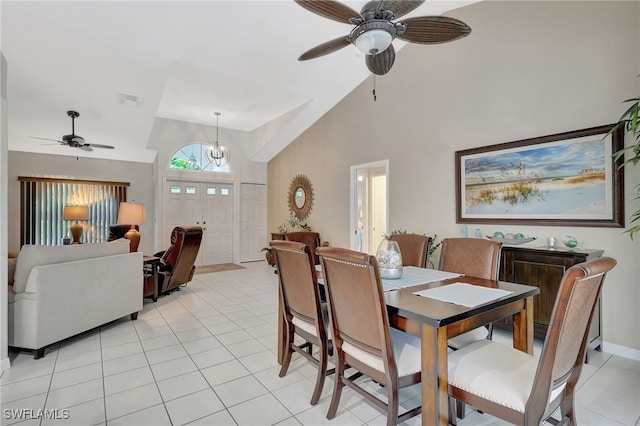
{"x": 34, "y": 255}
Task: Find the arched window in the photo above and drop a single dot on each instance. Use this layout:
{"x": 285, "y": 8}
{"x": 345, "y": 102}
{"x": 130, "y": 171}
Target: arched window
{"x": 194, "y": 157}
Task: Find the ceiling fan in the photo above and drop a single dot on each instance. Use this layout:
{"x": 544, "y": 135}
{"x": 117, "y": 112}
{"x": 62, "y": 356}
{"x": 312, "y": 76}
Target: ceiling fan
{"x": 74, "y": 140}
{"x": 374, "y": 30}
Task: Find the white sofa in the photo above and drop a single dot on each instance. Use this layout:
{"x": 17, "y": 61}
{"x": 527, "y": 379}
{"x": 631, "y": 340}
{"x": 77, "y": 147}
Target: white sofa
{"x": 61, "y": 291}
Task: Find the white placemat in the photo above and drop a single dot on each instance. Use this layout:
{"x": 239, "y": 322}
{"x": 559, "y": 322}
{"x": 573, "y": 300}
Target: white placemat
{"x": 464, "y": 294}
{"x": 429, "y": 275}
{"x": 404, "y": 281}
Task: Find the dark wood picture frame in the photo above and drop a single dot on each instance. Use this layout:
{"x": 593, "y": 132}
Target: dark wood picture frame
{"x": 468, "y": 186}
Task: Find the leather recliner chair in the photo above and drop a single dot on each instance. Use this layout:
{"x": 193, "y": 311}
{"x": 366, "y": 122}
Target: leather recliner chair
{"x": 177, "y": 263}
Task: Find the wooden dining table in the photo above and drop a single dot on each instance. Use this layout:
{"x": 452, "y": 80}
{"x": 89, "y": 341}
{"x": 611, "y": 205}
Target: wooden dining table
{"x": 435, "y": 321}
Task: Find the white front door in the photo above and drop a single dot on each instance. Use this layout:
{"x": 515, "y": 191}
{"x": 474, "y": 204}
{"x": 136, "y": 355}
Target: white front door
{"x": 209, "y": 205}
{"x": 253, "y": 221}
{"x": 217, "y": 223}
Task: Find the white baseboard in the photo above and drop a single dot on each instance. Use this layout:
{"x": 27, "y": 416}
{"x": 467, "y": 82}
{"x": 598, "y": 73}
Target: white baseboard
{"x": 623, "y": 351}
{"x": 5, "y": 363}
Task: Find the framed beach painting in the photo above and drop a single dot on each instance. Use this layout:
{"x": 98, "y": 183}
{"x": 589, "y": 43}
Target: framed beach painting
{"x": 567, "y": 179}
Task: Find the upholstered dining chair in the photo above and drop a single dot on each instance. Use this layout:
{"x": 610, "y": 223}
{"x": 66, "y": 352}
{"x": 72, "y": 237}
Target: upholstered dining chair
{"x": 511, "y": 384}
{"x": 413, "y": 248}
{"x": 474, "y": 257}
{"x": 361, "y": 334}
{"x": 177, "y": 263}
{"x": 304, "y": 314}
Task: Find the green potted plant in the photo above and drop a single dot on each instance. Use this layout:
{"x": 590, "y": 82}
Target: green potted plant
{"x": 629, "y": 121}
{"x": 435, "y": 243}
{"x": 269, "y": 255}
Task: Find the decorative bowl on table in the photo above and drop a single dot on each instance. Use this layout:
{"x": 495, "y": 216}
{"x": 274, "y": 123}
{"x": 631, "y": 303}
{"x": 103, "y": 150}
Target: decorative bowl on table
{"x": 512, "y": 241}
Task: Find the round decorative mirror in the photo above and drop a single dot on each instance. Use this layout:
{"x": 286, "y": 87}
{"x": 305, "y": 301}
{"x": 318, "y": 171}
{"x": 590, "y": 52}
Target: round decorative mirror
{"x": 300, "y": 196}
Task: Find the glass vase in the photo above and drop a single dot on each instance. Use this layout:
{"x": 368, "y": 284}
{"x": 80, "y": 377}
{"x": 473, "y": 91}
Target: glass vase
{"x": 389, "y": 259}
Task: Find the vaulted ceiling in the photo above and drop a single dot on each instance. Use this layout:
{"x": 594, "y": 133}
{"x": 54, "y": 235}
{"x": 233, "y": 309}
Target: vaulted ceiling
{"x": 186, "y": 60}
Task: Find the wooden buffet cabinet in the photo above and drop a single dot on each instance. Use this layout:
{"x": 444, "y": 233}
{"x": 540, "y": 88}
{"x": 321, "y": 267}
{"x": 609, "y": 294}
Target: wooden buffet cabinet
{"x": 543, "y": 267}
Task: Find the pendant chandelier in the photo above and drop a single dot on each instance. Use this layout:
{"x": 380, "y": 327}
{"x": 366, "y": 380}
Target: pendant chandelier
{"x": 218, "y": 154}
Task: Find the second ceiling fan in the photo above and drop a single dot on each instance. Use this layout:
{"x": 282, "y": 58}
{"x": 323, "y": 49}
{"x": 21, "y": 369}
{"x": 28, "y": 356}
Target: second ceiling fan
{"x": 375, "y": 30}
{"x": 73, "y": 140}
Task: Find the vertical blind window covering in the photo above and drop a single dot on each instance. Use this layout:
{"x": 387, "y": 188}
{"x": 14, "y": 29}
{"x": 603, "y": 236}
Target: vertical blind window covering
{"x": 42, "y": 202}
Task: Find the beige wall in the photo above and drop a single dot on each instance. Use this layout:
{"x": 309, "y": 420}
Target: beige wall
{"x": 139, "y": 175}
{"x": 528, "y": 69}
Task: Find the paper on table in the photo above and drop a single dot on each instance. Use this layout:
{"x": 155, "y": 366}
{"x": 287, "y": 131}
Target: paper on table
{"x": 428, "y": 275}
{"x": 411, "y": 276}
{"x": 404, "y": 281}
{"x": 464, "y": 294}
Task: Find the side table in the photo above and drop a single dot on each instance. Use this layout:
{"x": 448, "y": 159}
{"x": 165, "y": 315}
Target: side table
{"x": 150, "y": 268}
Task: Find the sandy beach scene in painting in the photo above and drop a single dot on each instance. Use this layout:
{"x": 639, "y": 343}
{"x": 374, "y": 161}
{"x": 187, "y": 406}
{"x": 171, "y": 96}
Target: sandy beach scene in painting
{"x": 549, "y": 180}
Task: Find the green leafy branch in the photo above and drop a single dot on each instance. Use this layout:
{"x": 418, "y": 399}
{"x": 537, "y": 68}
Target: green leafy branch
{"x": 629, "y": 122}
{"x": 432, "y": 247}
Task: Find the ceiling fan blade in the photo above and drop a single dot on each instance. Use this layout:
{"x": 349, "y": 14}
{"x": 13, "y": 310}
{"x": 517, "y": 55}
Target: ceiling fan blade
{"x": 325, "y": 48}
{"x": 97, "y": 145}
{"x": 381, "y": 63}
{"x": 400, "y": 7}
{"x": 47, "y": 139}
{"x": 434, "y": 29}
{"x": 330, "y": 9}
{"x": 85, "y": 148}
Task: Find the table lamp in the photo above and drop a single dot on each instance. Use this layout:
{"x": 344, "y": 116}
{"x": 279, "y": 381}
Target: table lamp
{"x": 132, "y": 214}
{"x": 76, "y": 213}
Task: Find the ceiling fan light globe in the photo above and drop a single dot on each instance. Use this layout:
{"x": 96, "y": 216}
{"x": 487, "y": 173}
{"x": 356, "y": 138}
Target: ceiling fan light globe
{"x": 373, "y": 41}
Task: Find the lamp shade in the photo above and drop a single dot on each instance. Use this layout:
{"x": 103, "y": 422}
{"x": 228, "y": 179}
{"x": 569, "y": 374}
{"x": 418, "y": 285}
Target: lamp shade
{"x": 131, "y": 214}
{"x": 374, "y": 41}
{"x": 75, "y": 213}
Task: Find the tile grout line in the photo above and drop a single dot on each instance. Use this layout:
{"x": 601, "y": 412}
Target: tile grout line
{"x": 104, "y": 390}
{"x": 55, "y": 362}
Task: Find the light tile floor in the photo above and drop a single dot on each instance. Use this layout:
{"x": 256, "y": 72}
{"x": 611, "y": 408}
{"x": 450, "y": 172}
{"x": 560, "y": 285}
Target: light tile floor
{"x": 206, "y": 355}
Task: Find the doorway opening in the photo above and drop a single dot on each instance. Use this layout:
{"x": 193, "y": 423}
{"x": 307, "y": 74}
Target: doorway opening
{"x": 369, "y": 205}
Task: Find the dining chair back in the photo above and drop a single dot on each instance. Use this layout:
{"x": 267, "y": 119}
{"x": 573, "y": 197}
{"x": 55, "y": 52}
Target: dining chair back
{"x": 511, "y": 384}
{"x": 304, "y": 314}
{"x": 413, "y": 248}
{"x": 361, "y": 333}
{"x": 312, "y": 239}
{"x": 471, "y": 256}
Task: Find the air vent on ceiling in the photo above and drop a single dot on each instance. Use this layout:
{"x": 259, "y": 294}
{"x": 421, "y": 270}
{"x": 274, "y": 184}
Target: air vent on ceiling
{"x": 131, "y": 100}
